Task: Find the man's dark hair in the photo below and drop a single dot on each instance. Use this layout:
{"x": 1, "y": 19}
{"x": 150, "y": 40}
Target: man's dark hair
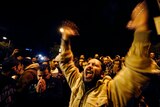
{"x": 8, "y": 63}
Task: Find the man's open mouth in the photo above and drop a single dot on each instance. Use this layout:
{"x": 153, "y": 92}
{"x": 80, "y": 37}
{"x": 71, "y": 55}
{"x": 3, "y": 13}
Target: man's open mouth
{"x": 89, "y": 74}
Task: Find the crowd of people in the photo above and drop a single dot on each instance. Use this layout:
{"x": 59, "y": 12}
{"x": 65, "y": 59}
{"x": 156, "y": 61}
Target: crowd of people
{"x": 25, "y": 81}
{"x": 98, "y": 81}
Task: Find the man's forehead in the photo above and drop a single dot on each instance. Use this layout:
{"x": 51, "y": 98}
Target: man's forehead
{"x": 54, "y": 60}
{"x": 94, "y": 60}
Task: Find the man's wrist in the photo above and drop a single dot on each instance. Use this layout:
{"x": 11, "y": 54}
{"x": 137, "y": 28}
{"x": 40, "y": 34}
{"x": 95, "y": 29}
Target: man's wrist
{"x": 142, "y": 28}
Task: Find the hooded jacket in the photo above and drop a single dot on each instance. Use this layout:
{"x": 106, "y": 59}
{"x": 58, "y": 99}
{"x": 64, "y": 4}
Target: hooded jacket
{"x": 28, "y": 76}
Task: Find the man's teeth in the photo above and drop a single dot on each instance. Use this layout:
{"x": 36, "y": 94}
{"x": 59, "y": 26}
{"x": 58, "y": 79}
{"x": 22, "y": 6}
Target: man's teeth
{"x": 89, "y": 72}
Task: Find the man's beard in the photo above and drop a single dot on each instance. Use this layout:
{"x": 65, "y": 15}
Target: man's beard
{"x": 92, "y": 83}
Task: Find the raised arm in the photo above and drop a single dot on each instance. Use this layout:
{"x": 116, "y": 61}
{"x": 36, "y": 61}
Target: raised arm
{"x": 66, "y": 63}
{"x": 132, "y": 78}
{"x": 138, "y": 54}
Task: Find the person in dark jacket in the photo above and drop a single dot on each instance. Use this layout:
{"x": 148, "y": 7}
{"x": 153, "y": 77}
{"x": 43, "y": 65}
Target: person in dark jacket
{"x": 8, "y": 92}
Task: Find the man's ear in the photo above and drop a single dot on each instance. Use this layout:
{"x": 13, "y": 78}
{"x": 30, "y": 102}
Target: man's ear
{"x": 102, "y": 74}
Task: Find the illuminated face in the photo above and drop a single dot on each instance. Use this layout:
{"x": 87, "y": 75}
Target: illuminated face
{"x": 152, "y": 55}
{"x": 43, "y": 74}
{"x": 106, "y": 60}
{"x": 92, "y": 70}
{"x": 116, "y": 66}
{"x": 40, "y": 74}
{"x": 53, "y": 64}
{"x": 81, "y": 61}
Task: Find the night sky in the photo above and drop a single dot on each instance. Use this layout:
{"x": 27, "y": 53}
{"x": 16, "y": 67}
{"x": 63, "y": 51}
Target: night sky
{"x": 34, "y": 24}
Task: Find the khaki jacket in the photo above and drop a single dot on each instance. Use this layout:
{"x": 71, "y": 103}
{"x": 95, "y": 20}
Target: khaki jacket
{"x": 117, "y": 92}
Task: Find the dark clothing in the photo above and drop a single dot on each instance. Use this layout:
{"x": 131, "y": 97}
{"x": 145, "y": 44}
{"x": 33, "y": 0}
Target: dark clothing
{"x": 52, "y": 96}
{"x": 24, "y": 83}
{"x": 7, "y": 91}
{"x": 28, "y": 77}
{"x": 152, "y": 92}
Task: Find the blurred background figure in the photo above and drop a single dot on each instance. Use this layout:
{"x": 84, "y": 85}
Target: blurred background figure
{"x": 8, "y": 90}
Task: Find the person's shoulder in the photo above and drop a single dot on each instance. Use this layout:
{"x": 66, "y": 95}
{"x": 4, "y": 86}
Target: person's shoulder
{"x": 29, "y": 74}
{"x": 33, "y": 66}
{"x": 107, "y": 78}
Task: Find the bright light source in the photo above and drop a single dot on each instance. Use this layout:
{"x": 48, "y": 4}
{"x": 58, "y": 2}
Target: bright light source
{"x": 42, "y": 58}
{"x": 28, "y": 49}
{"x": 60, "y": 50}
{"x": 39, "y": 55}
{"x": 4, "y": 37}
{"x": 61, "y": 30}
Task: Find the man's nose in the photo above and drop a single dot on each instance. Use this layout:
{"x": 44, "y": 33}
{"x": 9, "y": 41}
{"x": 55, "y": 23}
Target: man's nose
{"x": 90, "y": 66}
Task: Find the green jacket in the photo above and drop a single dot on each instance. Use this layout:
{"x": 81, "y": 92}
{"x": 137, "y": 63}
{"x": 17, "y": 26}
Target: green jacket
{"x": 117, "y": 92}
